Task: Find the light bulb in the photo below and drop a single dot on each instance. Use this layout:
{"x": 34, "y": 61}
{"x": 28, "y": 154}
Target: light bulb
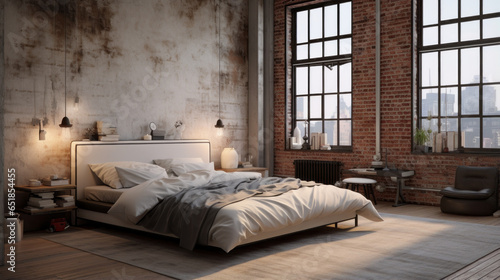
{"x": 220, "y": 132}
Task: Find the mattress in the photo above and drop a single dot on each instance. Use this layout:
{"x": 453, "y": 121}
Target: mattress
{"x": 102, "y": 193}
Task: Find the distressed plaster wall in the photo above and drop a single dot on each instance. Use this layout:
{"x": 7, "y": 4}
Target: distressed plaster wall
{"x": 129, "y": 63}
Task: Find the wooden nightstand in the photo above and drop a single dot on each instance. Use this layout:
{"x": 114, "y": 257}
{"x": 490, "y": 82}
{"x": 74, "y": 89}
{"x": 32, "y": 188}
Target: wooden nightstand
{"x": 261, "y": 170}
{"x": 58, "y": 190}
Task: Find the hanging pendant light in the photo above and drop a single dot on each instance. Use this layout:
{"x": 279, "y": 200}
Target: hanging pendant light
{"x": 65, "y": 121}
{"x": 219, "y": 125}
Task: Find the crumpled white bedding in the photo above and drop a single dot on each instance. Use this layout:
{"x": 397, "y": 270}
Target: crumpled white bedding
{"x": 242, "y": 220}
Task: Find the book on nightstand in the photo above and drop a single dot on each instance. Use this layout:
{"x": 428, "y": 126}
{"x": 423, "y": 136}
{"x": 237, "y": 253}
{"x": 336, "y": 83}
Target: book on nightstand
{"x": 54, "y": 182}
{"x": 41, "y": 200}
{"x": 65, "y": 200}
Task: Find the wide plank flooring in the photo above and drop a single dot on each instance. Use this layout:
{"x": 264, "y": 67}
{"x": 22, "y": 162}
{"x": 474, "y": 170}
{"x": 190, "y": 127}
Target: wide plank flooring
{"x": 37, "y": 258}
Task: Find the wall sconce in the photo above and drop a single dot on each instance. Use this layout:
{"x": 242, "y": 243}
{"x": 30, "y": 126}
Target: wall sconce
{"x": 40, "y": 123}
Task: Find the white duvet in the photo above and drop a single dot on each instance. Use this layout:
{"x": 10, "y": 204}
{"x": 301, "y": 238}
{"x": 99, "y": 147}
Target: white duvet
{"x": 245, "y": 220}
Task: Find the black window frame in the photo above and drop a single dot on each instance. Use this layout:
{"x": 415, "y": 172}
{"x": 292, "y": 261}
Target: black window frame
{"x": 439, "y": 119}
{"x": 328, "y": 63}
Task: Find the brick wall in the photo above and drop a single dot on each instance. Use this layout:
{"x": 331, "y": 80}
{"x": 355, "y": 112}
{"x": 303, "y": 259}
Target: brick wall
{"x": 433, "y": 171}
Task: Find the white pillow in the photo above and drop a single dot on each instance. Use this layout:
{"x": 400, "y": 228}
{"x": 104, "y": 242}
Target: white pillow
{"x": 130, "y": 177}
{"x": 108, "y": 175}
{"x": 182, "y": 168}
{"x": 168, "y": 162}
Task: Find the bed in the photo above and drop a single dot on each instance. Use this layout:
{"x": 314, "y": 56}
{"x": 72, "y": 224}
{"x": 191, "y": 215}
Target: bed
{"x": 274, "y": 207}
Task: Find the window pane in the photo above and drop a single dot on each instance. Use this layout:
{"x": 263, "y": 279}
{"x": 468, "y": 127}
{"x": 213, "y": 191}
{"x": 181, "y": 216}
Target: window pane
{"x": 449, "y": 67}
{"x": 302, "y": 33}
{"x": 331, "y": 48}
{"x": 491, "y": 67}
{"x": 430, "y": 36}
{"x": 491, "y": 28}
{"x": 449, "y": 124}
{"x": 449, "y": 9}
{"x": 315, "y": 126}
{"x": 345, "y": 46}
{"x": 491, "y": 133}
{"x": 302, "y": 52}
{"x": 470, "y": 133}
{"x": 331, "y": 21}
{"x": 301, "y": 105}
{"x": 491, "y": 6}
{"x": 430, "y": 11}
{"x": 469, "y": 31}
{"x": 470, "y": 66}
{"x": 345, "y": 18}
{"x": 430, "y": 102}
{"x": 316, "y": 50}
{"x": 449, "y": 33}
{"x": 430, "y": 69}
{"x": 491, "y": 100}
{"x": 449, "y": 102}
{"x": 331, "y": 106}
{"x": 470, "y": 8}
{"x": 331, "y": 131}
{"x": 345, "y": 105}
{"x": 345, "y": 77}
{"x": 470, "y": 101}
{"x": 316, "y": 23}
{"x": 301, "y": 80}
{"x": 316, "y": 79}
{"x": 331, "y": 79}
{"x": 345, "y": 132}
{"x": 316, "y": 107}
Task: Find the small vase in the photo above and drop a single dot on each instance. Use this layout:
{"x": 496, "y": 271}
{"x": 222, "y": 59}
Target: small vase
{"x": 229, "y": 158}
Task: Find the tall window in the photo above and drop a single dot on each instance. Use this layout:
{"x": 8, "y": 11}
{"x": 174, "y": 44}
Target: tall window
{"x": 459, "y": 77}
{"x": 321, "y": 71}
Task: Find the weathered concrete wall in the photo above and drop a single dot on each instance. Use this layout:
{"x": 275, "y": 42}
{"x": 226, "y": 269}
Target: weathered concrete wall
{"x": 129, "y": 63}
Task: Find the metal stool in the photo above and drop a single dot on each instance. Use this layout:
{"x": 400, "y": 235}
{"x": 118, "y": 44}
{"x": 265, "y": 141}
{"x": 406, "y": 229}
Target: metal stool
{"x": 366, "y": 183}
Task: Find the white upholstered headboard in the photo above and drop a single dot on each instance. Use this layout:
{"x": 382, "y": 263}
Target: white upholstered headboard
{"x": 84, "y": 153}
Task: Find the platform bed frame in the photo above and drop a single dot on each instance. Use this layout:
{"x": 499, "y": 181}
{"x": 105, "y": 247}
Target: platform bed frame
{"x": 84, "y": 153}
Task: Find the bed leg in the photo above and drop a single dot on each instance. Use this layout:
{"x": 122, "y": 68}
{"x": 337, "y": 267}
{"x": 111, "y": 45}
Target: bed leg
{"x": 356, "y": 221}
{"x": 336, "y": 225}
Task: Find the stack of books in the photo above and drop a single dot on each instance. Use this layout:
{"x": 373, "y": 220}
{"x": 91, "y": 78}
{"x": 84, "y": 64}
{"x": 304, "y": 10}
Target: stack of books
{"x": 65, "y": 200}
{"x": 55, "y": 182}
{"x": 41, "y": 201}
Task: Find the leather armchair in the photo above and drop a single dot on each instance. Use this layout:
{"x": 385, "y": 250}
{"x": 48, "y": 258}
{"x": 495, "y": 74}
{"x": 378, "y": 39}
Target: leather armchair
{"x": 475, "y": 192}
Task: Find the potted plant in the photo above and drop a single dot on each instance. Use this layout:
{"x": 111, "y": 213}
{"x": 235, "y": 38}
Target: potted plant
{"x": 422, "y": 136}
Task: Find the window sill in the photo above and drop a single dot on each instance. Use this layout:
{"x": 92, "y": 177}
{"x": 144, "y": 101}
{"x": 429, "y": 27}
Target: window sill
{"x": 336, "y": 150}
{"x": 495, "y": 153}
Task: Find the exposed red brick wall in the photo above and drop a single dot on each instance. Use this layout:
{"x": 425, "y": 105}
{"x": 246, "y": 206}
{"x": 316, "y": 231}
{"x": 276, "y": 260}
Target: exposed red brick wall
{"x": 433, "y": 171}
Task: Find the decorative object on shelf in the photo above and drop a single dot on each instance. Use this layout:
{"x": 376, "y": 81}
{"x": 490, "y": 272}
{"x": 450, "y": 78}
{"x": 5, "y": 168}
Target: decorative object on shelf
{"x": 106, "y": 132}
{"x": 65, "y": 121}
{"x": 152, "y": 127}
{"x": 147, "y": 137}
{"x": 179, "y": 129}
{"x": 91, "y": 134}
{"x": 229, "y": 158}
{"x": 305, "y": 144}
{"x": 421, "y": 137}
{"x": 376, "y": 163}
{"x": 219, "y": 125}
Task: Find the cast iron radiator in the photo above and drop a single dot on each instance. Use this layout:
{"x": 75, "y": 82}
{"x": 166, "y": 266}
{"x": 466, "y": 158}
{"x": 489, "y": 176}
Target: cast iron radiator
{"x": 326, "y": 172}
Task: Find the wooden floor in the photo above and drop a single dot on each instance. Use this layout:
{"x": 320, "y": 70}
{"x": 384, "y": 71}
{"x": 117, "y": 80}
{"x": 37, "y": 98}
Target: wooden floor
{"x": 37, "y": 258}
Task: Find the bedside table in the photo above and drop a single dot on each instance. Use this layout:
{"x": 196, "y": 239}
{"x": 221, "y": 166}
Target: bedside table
{"x": 261, "y": 170}
{"x": 58, "y": 190}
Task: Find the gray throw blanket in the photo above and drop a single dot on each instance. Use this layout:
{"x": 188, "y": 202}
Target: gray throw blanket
{"x": 189, "y": 214}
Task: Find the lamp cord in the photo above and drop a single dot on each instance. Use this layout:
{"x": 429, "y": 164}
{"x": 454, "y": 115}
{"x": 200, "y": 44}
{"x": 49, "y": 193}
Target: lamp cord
{"x": 65, "y": 15}
{"x": 219, "y": 53}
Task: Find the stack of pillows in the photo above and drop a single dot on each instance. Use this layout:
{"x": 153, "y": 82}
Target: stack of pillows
{"x": 127, "y": 174}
